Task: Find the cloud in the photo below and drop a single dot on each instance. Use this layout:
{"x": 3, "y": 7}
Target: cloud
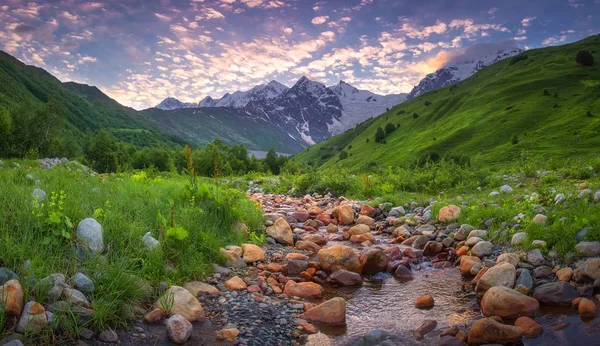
{"x": 25, "y": 29}
{"x": 424, "y": 32}
{"x": 319, "y": 20}
{"x": 575, "y": 3}
{"x": 492, "y": 12}
{"x": 527, "y": 21}
{"x": 478, "y": 50}
{"x": 209, "y": 13}
{"x": 553, "y": 40}
{"x": 520, "y": 38}
{"x": 162, "y": 17}
{"x": 263, "y": 3}
{"x": 87, "y": 59}
{"x": 288, "y": 31}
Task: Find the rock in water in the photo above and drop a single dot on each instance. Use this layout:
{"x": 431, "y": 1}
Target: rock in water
{"x": 179, "y": 329}
{"x": 507, "y": 303}
{"x": 558, "y": 293}
{"x": 281, "y": 232}
{"x": 90, "y": 232}
{"x": 332, "y": 312}
{"x": 339, "y": 257}
{"x": 425, "y": 328}
{"x": 178, "y": 301}
{"x": 344, "y": 213}
{"x": 345, "y": 278}
{"x": 502, "y": 274}
{"x": 33, "y": 318}
{"x": 373, "y": 261}
{"x": 303, "y": 289}
{"x": 490, "y": 331}
{"x": 530, "y": 328}
{"x": 424, "y": 302}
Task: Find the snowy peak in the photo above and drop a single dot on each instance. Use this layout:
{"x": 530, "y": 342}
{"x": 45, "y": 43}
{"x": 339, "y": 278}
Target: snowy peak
{"x": 171, "y": 103}
{"x": 459, "y": 70}
{"x": 207, "y": 102}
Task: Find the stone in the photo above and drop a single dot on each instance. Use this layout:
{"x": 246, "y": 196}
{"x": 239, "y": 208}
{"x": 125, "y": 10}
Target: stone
{"x": 38, "y": 196}
{"x": 506, "y": 189}
{"x": 196, "y": 287}
{"x": 531, "y": 329}
{"x": 359, "y": 229}
{"x": 7, "y": 274}
{"x": 150, "y": 242}
{"x": 524, "y": 283}
{"x": 344, "y": 213}
{"x": 303, "y": 289}
{"x": 587, "y": 308}
{"x": 307, "y": 245}
{"x": 472, "y": 241}
{"x": 424, "y": 302}
{"x": 83, "y": 283}
{"x": 499, "y": 275}
{"x": 540, "y": 219}
{"x": 90, "y": 232}
{"x": 403, "y": 273}
{"x": 180, "y": 301}
{"x": 345, "y": 278}
{"x": 366, "y": 209}
{"x": 331, "y": 228}
{"x": 252, "y": 253}
{"x": 233, "y": 258}
{"x": 448, "y": 340}
{"x": 359, "y": 238}
{"x": 589, "y": 269}
{"x": 426, "y": 229}
{"x": 466, "y": 263}
{"x": 179, "y": 329}
{"x": 236, "y": 249}
{"x": 564, "y": 274}
{"x": 482, "y": 248}
{"x": 52, "y": 286}
{"x": 507, "y": 303}
{"x": 295, "y": 267}
{"x": 558, "y": 293}
{"x": 588, "y": 248}
{"x": 339, "y": 257}
{"x": 518, "y": 239}
{"x": 74, "y": 296}
{"x": 479, "y": 233}
{"x": 109, "y": 336}
{"x": 228, "y": 334}
{"x": 432, "y": 248}
{"x": 331, "y": 312}
{"x": 420, "y": 242}
{"x": 490, "y": 331}
{"x": 365, "y": 220}
{"x": 542, "y": 272}
{"x": 33, "y": 318}
{"x": 535, "y": 257}
{"x": 449, "y": 213}
{"x": 508, "y": 258}
{"x": 373, "y": 261}
{"x": 538, "y": 243}
{"x": 425, "y": 328}
{"x": 235, "y": 284}
{"x": 281, "y": 232}
{"x": 399, "y": 211}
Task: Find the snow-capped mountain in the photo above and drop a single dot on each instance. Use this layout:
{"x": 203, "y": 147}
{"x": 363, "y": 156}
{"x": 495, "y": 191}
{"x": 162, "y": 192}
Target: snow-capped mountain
{"x": 306, "y": 113}
{"x": 171, "y": 103}
{"x": 458, "y": 71}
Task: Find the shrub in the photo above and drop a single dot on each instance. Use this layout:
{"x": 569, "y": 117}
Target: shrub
{"x": 427, "y": 103}
{"x": 415, "y": 115}
{"x": 402, "y": 111}
{"x": 518, "y": 58}
{"x": 379, "y": 135}
{"x": 546, "y": 92}
{"x": 389, "y": 128}
{"x": 514, "y": 139}
{"x": 589, "y": 114}
{"x": 367, "y": 140}
{"x": 343, "y": 155}
{"x": 584, "y": 58}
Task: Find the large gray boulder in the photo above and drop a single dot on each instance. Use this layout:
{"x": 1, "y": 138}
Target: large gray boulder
{"x": 91, "y": 233}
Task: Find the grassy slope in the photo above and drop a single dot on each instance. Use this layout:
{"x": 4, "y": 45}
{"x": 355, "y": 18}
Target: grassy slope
{"x": 89, "y": 109}
{"x": 201, "y": 126}
{"x": 472, "y": 115}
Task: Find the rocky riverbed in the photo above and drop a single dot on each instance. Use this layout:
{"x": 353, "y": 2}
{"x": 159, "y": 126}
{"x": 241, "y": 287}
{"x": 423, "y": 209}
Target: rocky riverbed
{"x": 340, "y": 272}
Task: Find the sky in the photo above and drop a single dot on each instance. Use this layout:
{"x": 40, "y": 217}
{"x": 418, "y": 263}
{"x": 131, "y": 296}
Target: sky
{"x": 142, "y": 51}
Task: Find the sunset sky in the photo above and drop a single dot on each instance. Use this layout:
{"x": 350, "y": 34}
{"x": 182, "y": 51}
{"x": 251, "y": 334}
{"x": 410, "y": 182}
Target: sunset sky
{"x": 140, "y": 52}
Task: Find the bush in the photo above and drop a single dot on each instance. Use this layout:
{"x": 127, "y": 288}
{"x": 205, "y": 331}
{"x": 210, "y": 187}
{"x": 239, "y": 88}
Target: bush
{"x": 402, "y": 111}
{"x": 415, "y": 115}
{"x": 379, "y": 135}
{"x": 546, "y": 92}
{"x": 589, "y": 114}
{"x": 584, "y": 58}
{"x": 389, "y": 128}
{"x": 518, "y": 58}
{"x": 343, "y": 155}
{"x": 427, "y": 103}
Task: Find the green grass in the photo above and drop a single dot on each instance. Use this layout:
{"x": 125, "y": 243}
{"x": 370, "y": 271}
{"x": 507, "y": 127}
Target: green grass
{"x": 127, "y": 206}
{"x": 471, "y": 118}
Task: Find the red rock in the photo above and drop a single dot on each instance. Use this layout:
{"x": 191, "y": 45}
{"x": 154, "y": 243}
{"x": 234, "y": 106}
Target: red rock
{"x": 462, "y": 251}
{"x": 301, "y": 216}
{"x": 507, "y": 303}
{"x": 315, "y": 238}
{"x": 374, "y": 261}
{"x": 274, "y": 268}
{"x": 530, "y": 328}
{"x": 360, "y": 238}
{"x": 366, "y": 209}
{"x": 449, "y": 213}
{"x": 303, "y": 289}
{"x": 587, "y": 308}
{"x": 294, "y": 256}
{"x": 325, "y": 219}
{"x": 331, "y": 312}
{"x": 424, "y": 302}
{"x": 344, "y": 213}
{"x": 12, "y": 298}
{"x": 339, "y": 257}
{"x": 466, "y": 263}
{"x": 345, "y": 278}
{"x": 309, "y": 328}
{"x": 490, "y": 331}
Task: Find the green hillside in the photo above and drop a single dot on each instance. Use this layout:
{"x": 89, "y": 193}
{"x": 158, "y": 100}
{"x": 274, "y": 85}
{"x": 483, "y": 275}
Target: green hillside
{"x": 202, "y": 125}
{"x": 542, "y": 98}
{"x": 24, "y": 87}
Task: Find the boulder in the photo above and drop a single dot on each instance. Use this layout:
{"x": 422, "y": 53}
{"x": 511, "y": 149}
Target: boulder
{"x": 235, "y": 284}
{"x": 303, "y": 289}
{"x": 479, "y": 233}
{"x": 403, "y": 273}
{"x": 424, "y": 328}
{"x": 359, "y": 238}
{"x": 449, "y": 340}
{"x": 307, "y": 245}
{"x": 432, "y": 248}
{"x": 366, "y": 209}
{"x": 507, "y": 303}
{"x": 420, "y": 242}
{"x": 315, "y": 238}
{"x": 508, "y": 258}
{"x": 590, "y": 269}
{"x": 7, "y": 274}
{"x": 359, "y": 229}
{"x": 344, "y": 214}
{"x": 281, "y": 232}
{"x": 466, "y": 263}
{"x": 12, "y": 296}
{"x": 233, "y": 258}
{"x": 587, "y": 308}
{"x": 535, "y": 257}
{"x": 345, "y": 278}
{"x": 33, "y": 318}
{"x": 339, "y": 257}
{"x": 252, "y": 253}
{"x": 179, "y": 329}
{"x": 531, "y": 329}
{"x": 179, "y": 301}
{"x": 499, "y": 275}
{"x": 331, "y": 312}
{"x": 490, "y": 331}
{"x": 196, "y": 287}
{"x": 558, "y": 293}
{"x": 373, "y": 261}
{"x": 295, "y": 267}
{"x": 482, "y": 248}
{"x": 365, "y": 220}
{"x": 564, "y": 274}
{"x": 91, "y": 234}
{"x": 449, "y": 213}
{"x": 588, "y": 248}
{"x": 518, "y": 238}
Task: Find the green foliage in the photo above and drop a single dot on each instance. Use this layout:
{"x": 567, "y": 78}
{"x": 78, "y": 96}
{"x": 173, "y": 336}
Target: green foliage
{"x": 389, "y": 128}
{"x": 546, "y": 92}
{"x": 514, "y": 139}
{"x": 343, "y": 155}
{"x": 584, "y": 58}
{"x": 517, "y": 58}
{"x": 415, "y": 115}
{"x": 57, "y": 226}
{"x": 379, "y": 135}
